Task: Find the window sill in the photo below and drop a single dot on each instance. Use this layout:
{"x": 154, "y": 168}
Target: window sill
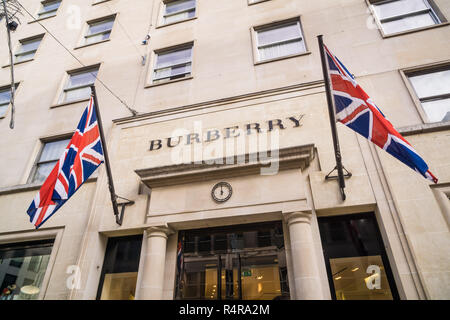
{"x": 68, "y": 103}
{"x": 167, "y": 82}
{"x": 282, "y": 58}
{"x": 176, "y": 22}
{"x": 40, "y": 19}
{"x": 31, "y": 186}
{"x": 91, "y": 44}
{"x": 413, "y": 30}
{"x": 16, "y": 63}
{"x": 424, "y": 128}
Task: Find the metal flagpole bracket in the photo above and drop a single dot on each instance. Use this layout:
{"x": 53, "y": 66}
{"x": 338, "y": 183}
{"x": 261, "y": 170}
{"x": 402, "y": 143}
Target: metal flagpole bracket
{"x": 119, "y": 217}
{"x": 347, "y": 174}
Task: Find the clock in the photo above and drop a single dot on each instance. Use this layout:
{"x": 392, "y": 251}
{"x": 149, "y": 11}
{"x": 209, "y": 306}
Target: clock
{"x": 221, "y": 192}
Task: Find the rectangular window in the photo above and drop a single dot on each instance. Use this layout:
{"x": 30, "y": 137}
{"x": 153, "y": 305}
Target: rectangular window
{"x": 78, "y": 85}
{"x": 27, "y": 49}
{"x": 173, "y": 64}
{"x": 120, "y": 269}
{"x": 433, "y": 91}
{"x": 22, "y": 269}
{"x": 402, "y": 15}
{"x": 357, "y": 265}
{"x": 50, "y": 154}
{"x": 279, "y": 40}
{"x": 5, "y": 99}
{"x": 48, "y": 9}
{"x": 99, "y": 30}
{"x": 179, "y": 10}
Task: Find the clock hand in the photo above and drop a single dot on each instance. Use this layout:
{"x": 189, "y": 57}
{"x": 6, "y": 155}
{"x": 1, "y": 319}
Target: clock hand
{"x": 221, "y": 191}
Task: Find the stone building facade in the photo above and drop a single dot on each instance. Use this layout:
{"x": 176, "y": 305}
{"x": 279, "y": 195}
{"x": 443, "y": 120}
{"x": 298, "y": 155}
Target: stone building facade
{"x": 215, "y": 85}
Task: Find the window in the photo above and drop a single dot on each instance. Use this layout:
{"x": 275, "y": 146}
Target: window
{"x": 5, "y": 99}
{"x": 99, "y": 30}
{"x": 279, "y": 40}
{"x": 22, "y": 269}
{"x": 78, "y": 85}
{"x": 27, "y": 49}
{"x": 173, "y": 64}
{"x": 255, "y": 1}
{"x": 402, "y": 15}
{"x": 50, "y": 154}
{"x": 357, "y": 265}
{"x": 48, "y": 9}
{"x": 433, "y": 91}
{"x": 179, "y": 10}
{"x": 120, "y": 269}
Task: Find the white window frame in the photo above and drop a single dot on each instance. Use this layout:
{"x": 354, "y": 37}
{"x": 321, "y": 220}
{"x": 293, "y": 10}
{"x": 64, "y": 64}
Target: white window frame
{"x": 94, "y": 22}
{"x": 164, "y": 15}
{"x": 62, "y": 100}
{"x": 156, "y": 81}
{"x": 24, "y": 41}
{"x": 5, "y": 89}
{"x": 432, "y": 9}
{"x": 41, "y": 10}
{"x": 275, "y": 25}
{"x": 426, "y": 69}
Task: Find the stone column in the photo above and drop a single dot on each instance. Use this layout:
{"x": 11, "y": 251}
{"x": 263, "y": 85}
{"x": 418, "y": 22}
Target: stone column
{"x": 304, "y": 257}
{"x": 152, "y": 281}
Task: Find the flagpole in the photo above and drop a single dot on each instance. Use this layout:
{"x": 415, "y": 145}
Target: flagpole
{"x": 332, "y": 115}
{"x": 105, "y": 154}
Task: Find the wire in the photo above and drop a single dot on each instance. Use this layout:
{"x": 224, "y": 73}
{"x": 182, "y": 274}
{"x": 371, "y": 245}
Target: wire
{"x": 134, "y": 112}
{"x": 13, "y": 84}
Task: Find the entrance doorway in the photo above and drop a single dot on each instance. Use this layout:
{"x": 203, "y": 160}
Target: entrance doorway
{"x": 245, "y": 262}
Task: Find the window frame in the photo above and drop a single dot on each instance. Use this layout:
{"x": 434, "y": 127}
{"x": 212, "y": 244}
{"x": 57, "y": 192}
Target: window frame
{"x": 8, "y": 88}
{"x": 436, "y": 15}
{"x": 153, "y": 62}
{"x": 384, "y": 257}
{"x": 252, "y": 2}
{"x": 418, "y": 70}
{"x": 93, "y": 22}
{"x": 162, "y": 14}
{"x": 40, "y": 11}
{"x": 39, "y": 37}
{"x": 273, "y": 25}
{"x": 63, "y": 88}
{"x": 31, "y": 236}
{"x": 36, "y": 163}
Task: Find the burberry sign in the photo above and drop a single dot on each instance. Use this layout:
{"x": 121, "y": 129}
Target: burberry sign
{"x": 183, "y": 137}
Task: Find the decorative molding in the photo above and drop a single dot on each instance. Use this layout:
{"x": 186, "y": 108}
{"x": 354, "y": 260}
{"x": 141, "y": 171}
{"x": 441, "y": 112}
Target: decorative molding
{"x": 249, "y": 164}
{"x": 424, "y": 128}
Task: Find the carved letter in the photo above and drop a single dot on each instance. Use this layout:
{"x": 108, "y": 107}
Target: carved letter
{"x": 215, "y": 135}
{"x": 191, "y": 136}
{"x": 279, "y": 124}
{"x": 256, "y": 127}
{"x": 158, "y": 145}
{"x": 169, "y": 141}
{"x": 231, "y": 130}
{"x": 295, "y": 121}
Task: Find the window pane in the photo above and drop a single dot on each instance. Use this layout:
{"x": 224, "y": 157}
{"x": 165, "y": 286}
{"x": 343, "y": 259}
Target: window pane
{"x": 24, "y": 57}
{"x": 180, "y": 16}
{"x": 5, "y": 96}
{"x": 97, "y": 38}
{"x": 173, "y": 58}
{"x": 120, "y": 266}
{"x": 22, "y": 270}
{"x": 354, "y": 280}
{"x": 431, "y": 84}
{"x": 77, "y": 94}
{"x": 400, "y": 7}
{"x": 49, "y": 6}
{"x": 53, "y": 150}
{"x": 81, "y": 79}
{"x": 408, "y": 23}
{"x": 278, "y": 34}
{"x": 100, "y": 27}
{"x": 3, "y": 109}
{"x": 42, "y": 171}
{"x": 281, "y": 50}
{"x": 438, "y": 110}
{"x": 29, "y": 45}
{"x": 175, "y": 6}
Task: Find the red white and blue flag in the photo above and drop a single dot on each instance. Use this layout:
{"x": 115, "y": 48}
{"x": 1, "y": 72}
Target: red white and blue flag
{"x": 356, "y": 110}
{"x": 82, "y": 156}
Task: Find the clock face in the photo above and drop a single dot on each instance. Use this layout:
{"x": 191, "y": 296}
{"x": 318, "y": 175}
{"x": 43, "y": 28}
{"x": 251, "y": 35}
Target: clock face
{"x": 221, "y": 192}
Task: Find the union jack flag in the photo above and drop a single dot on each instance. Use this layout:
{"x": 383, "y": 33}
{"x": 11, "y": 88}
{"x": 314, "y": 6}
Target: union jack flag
{"x": 356, "y": 110}
{"x": 82, "y": 156}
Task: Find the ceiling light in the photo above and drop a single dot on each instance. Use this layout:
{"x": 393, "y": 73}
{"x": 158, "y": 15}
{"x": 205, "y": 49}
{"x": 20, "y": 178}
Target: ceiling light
{"x": 353, "y": 270}
{"x": 337, "y": 278}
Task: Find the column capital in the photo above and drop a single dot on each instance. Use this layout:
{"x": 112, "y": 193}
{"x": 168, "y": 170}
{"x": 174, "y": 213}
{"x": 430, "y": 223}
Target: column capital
{"x": 159, "y": 231}
{"x": 297, "y": 217}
